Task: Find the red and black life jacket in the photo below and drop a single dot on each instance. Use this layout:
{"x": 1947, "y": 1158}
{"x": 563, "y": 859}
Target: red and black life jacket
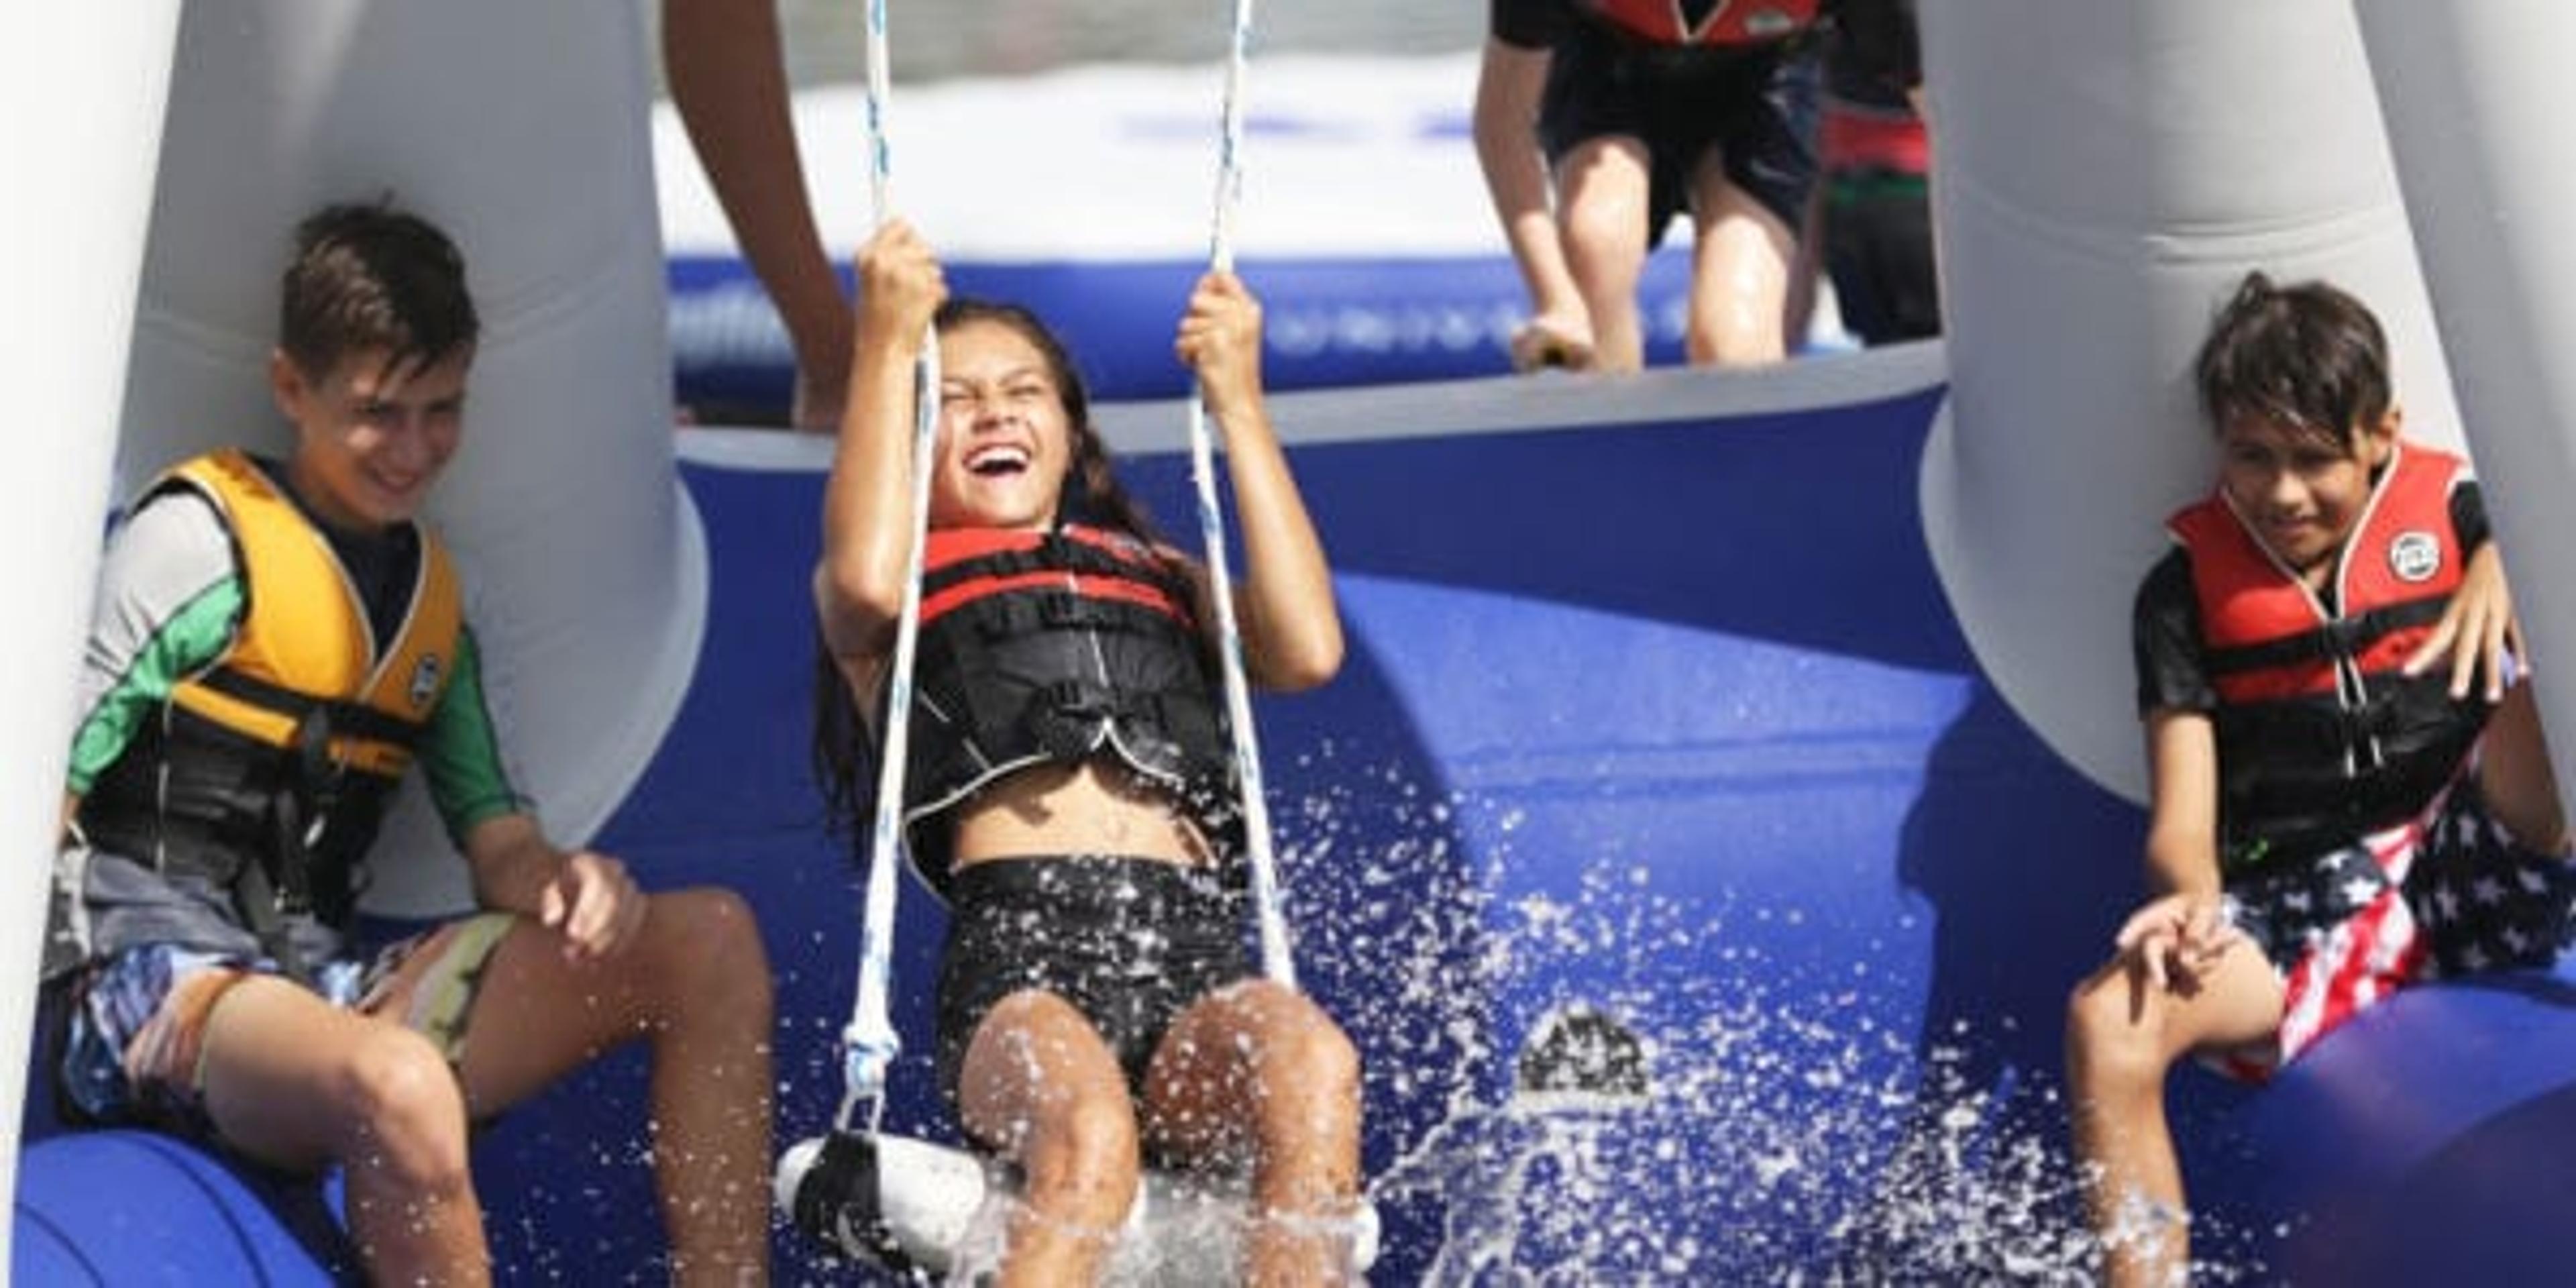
{"x": 2321, "y": 739}
{"x": 1057, "y": 646}
{"x": 1708, "y": 22}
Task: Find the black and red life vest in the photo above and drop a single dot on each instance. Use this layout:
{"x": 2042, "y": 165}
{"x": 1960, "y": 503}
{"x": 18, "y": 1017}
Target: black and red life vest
{"x": 1057, "y": 646}
{"x": 1708, "y": 22}
{"x": 2321, "y": 739}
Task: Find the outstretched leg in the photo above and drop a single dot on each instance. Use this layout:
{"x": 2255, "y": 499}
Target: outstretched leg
{"x": 694, "y": 983}
{"x": 2122, "y": 1035}
{"x": 1256, "y": 1073}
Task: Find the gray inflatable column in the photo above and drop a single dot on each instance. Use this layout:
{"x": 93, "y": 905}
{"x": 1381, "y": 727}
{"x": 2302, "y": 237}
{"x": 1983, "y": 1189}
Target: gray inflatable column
{"x": 2105, "y": 174}
{"x": 2478, "y": 102}
{"x": 524, "y": 129}
{"x": 84, "y": 94}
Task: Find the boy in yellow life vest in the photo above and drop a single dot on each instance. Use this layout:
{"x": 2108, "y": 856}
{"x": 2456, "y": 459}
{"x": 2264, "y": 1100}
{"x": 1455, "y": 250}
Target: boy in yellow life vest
{"x": 276, "y": 643}
{"x": 2350, "y": 790}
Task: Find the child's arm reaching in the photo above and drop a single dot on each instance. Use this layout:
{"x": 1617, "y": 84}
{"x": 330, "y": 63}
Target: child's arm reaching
{"x": 2180, "y": 928}
{"x": 1292, "y": 635}
{"x": 2478, "y": 631}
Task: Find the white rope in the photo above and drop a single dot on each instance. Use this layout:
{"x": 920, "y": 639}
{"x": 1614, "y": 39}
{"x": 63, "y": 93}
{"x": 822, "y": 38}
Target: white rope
{"x": 870, "y": 1043}
{"x": 1275, "y": 960}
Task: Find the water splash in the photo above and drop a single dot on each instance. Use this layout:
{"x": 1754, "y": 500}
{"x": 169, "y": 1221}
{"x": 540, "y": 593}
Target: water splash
{"x": 1797, "y": 1124}
{"x": 1199, "y": 1236}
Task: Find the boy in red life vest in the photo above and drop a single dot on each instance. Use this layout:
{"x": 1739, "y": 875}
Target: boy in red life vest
{"x": 2350, "y": 789}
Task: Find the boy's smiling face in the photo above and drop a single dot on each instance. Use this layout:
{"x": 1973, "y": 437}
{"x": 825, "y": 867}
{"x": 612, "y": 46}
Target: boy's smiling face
{"x": 2301, "y": 491}
{"x": 371, "y": 436}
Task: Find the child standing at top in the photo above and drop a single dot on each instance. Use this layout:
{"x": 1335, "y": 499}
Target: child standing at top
{"x": 2335, "y": 813}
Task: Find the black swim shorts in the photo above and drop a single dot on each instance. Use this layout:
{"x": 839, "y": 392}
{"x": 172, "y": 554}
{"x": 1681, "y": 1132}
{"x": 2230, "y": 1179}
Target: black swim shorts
{"x": 1129, "y": 942}
{"x": 1756, "y": 106}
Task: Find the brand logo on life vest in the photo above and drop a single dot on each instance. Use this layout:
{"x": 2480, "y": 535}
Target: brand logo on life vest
{"x": 424, "y": 680}
{"x": 2415, "y": 555}
{"x": 1699, "y": 18}
{"x": 1763, "y": 24}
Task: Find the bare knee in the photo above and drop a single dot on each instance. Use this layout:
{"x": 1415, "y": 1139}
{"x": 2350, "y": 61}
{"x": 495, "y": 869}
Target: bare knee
{"x": 1604, "y": 239}
{"x": 2113, "y": 1036}
{"x": 1309, "y": 1063}
{"x": 1082, "y": 1158}
{"x": 1303, "y": 1076}
{"x": 706, "y": 957}
{"x": 1040, "y": 1086}
{"x": 405, "y": 1113}
{"x": 1604, "y": 269}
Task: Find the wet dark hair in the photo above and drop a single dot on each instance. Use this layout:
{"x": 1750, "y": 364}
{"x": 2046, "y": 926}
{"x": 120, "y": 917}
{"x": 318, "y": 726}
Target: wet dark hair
{"x": 371, "y": 277}
{"x": 844, "y": 747}
{"x": 2307, "y": 354}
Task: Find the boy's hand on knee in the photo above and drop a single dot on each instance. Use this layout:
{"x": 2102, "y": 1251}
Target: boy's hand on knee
{"x": 2176, "y": 937}
{"x": 594, "y": 904}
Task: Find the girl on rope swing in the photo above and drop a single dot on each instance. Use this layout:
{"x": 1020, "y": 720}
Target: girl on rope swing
{"x": 1070, "y": 790}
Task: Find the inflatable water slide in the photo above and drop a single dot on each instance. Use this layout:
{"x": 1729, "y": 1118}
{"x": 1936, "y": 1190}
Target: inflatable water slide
{"x": 1731, "y": 774}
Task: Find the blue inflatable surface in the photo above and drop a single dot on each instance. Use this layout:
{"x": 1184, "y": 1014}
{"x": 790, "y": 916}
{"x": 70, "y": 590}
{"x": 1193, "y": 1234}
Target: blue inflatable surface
{"x": 120, "y": 1208}
{"x": 1331, "y": 323}
{"x": 1668, "y": 724}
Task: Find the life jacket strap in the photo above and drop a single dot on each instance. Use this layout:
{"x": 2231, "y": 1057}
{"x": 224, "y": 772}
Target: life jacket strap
{"x": 2340, "y": 639}
{"x": 346, "y": 719}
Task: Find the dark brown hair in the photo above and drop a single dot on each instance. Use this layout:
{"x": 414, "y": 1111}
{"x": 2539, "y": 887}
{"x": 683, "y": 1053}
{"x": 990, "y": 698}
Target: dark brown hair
{"x": 2308, "y": 355}
{"x": 370, "y": 277}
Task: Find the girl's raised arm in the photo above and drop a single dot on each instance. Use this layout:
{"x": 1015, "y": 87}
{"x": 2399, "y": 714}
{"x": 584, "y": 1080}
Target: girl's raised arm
{"x": 1292, "y": 632}
{"x": 868, "y": 523}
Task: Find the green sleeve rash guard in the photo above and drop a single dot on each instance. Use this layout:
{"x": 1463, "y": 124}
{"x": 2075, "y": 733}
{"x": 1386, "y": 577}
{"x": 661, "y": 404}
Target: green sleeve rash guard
{"x": 170, "y": 598}
{"x": 461, "y": 755}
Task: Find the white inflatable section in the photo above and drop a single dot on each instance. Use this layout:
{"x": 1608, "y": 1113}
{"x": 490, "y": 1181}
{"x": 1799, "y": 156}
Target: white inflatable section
{"x": 71, "y": 245}
{"x": 2478, "y": 100}
{"x": 523, "y": 129}
{"x": 1369, "y": 158}
{"x": 2107, "y": 173}
{"x": 1547, "y": 402}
